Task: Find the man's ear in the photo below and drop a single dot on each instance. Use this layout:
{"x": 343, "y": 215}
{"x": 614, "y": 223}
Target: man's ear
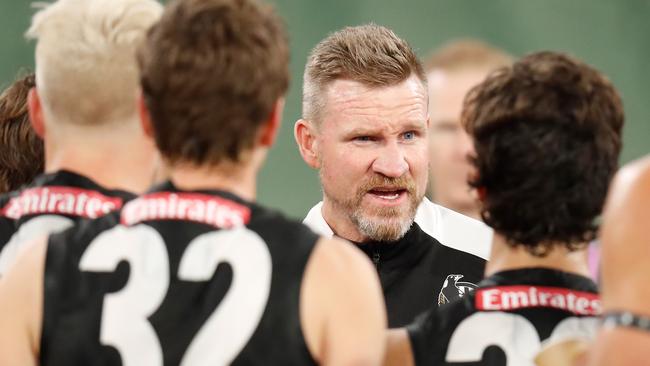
{"x": 270, "y": 129}
{"x": 305, "y": 133}
{"x": 35, "y": 110}
{"x": 145, "y": 117}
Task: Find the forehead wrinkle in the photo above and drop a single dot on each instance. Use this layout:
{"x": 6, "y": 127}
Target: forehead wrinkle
{"x": 362, "y": 102}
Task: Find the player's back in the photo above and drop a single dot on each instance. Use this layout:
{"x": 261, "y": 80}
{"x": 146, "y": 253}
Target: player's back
{"x": 52, "y": 203}
{"x": 189, "y": 278}
{"x": 507, "y": 319}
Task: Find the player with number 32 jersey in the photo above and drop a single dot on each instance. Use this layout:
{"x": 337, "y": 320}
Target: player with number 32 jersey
{"x": 183, "y": 275}
{"x": 194, "y": 272}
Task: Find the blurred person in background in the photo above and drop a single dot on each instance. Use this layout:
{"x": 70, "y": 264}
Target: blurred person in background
{"x": 547, "y": 136}
{"x": 365, "y": 129}
{"x": 21, "y": 150}
{"x": 452, "y": 70}
{"x": 625, "y": 334}
{"x": 197, "y": 273}
{"x": 84, "y": 106}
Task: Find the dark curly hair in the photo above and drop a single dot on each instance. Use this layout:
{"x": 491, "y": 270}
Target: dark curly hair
{"x": 547, "y": 134}
{"x": 21, "y": 150}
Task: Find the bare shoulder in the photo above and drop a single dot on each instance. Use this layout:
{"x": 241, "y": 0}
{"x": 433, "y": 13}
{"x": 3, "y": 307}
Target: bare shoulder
{"x": 339, "y": 255}
{"x": 342, "y": 309}
{"x": 638, "y": 168}
{"x": 398, "y": 348}
{"x": 630, "y": 189}
{"x": 628, "y": 207}
{"x": 29, "y": 262}
{"x": 625, "y": 234}
{"x": 21, "y": 305}
{"x": 338, "y": 269}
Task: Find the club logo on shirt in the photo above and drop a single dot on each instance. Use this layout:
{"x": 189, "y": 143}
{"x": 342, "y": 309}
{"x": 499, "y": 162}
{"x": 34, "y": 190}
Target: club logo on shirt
{"x": 453, "y": 289}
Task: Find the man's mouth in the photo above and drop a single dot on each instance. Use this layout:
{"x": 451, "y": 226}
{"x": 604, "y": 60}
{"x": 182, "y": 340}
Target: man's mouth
{"x": 389, "y": 194}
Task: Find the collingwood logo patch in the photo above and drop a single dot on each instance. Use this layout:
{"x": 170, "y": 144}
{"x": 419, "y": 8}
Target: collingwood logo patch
{"x": 453, "y": 289}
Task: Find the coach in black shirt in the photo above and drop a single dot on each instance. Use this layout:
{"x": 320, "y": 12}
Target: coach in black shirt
{"x": 364, "y": 127}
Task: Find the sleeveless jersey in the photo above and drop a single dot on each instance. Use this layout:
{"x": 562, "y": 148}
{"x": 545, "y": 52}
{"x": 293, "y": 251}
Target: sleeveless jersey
{"x": 505, "y": 320}
{"x": 52, "y": 203}
{"x": 177, "y": 278}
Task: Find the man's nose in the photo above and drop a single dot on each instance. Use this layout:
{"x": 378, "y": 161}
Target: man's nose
{"x": 391, "y": 161}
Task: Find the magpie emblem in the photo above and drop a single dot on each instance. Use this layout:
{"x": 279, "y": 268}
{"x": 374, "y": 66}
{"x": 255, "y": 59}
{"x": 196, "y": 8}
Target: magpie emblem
{"x": 454, "y": 289}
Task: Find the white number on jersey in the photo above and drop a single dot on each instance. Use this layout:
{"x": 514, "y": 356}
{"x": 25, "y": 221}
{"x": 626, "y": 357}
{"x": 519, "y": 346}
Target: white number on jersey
{"x": 512, "y": 333}
{"x": 30, "y": 230}
{"x": 227, "y": 330}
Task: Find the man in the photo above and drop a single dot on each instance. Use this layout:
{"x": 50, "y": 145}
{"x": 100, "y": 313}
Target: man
{"x": 21, "y": 150}
{"x": 84, "y": 107}
{"x": 547, "y": 134}
{"x": 452, "y": 71}
{"x": 197, "y": 273}
{"x": 364, "y": 128}
{"x": 624, "y": 337}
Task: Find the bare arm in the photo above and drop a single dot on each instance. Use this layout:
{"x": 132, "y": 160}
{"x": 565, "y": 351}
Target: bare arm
{"x": 21, "y": 306}
{"x": 625, "y": 270}
{"x": 398, "y": 348}
{"x": 342, "y": 307}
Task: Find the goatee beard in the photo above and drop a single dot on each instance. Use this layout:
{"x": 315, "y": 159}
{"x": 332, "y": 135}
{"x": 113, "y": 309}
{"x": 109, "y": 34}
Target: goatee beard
{"x": 383, "y": 223}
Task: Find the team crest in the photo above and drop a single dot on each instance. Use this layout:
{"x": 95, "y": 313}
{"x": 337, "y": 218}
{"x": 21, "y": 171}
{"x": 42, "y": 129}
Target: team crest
{"x": 453, "y": 289}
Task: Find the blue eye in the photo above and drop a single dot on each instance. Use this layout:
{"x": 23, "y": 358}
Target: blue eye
{"x": 363, "y": 138}
{"x": 409, "y": 135}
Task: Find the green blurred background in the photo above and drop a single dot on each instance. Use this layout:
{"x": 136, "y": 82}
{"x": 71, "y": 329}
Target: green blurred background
{"x": 613, "y": 36}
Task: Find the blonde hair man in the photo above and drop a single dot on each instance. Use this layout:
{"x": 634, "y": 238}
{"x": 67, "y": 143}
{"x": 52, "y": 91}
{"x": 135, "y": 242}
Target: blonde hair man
{"x": 84, "y": 107}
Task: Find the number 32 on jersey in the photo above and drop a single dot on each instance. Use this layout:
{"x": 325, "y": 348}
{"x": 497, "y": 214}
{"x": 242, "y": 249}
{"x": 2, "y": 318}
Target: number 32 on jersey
{"x": 124, "y": 323}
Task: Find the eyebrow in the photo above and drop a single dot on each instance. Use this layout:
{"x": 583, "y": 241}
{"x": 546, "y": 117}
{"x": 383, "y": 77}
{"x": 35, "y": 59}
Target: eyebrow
{"x": 362, "y": 130}
{"x": 413, "y": 125}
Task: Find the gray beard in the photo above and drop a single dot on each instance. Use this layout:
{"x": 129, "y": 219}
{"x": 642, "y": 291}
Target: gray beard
{"x": 388, "y": 224}
{"x": 383, "y": 228}
{"x": 381, "y": 224}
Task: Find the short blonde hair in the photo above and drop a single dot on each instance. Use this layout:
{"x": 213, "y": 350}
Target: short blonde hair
{"x": 370, "y": 54}
{"x": 86, "y": 68}
{"x": 463, "y": 54}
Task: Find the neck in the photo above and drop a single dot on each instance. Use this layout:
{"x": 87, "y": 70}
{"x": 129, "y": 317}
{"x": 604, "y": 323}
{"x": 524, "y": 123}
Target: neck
{"x": 470, "y": 209}
{"x": 340, "y": 223}
{"x": 472, "y": 212}
{"x": 231, "y": 177}
{"x": 111, "y": 157}
{"x": 504, "y": 257}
